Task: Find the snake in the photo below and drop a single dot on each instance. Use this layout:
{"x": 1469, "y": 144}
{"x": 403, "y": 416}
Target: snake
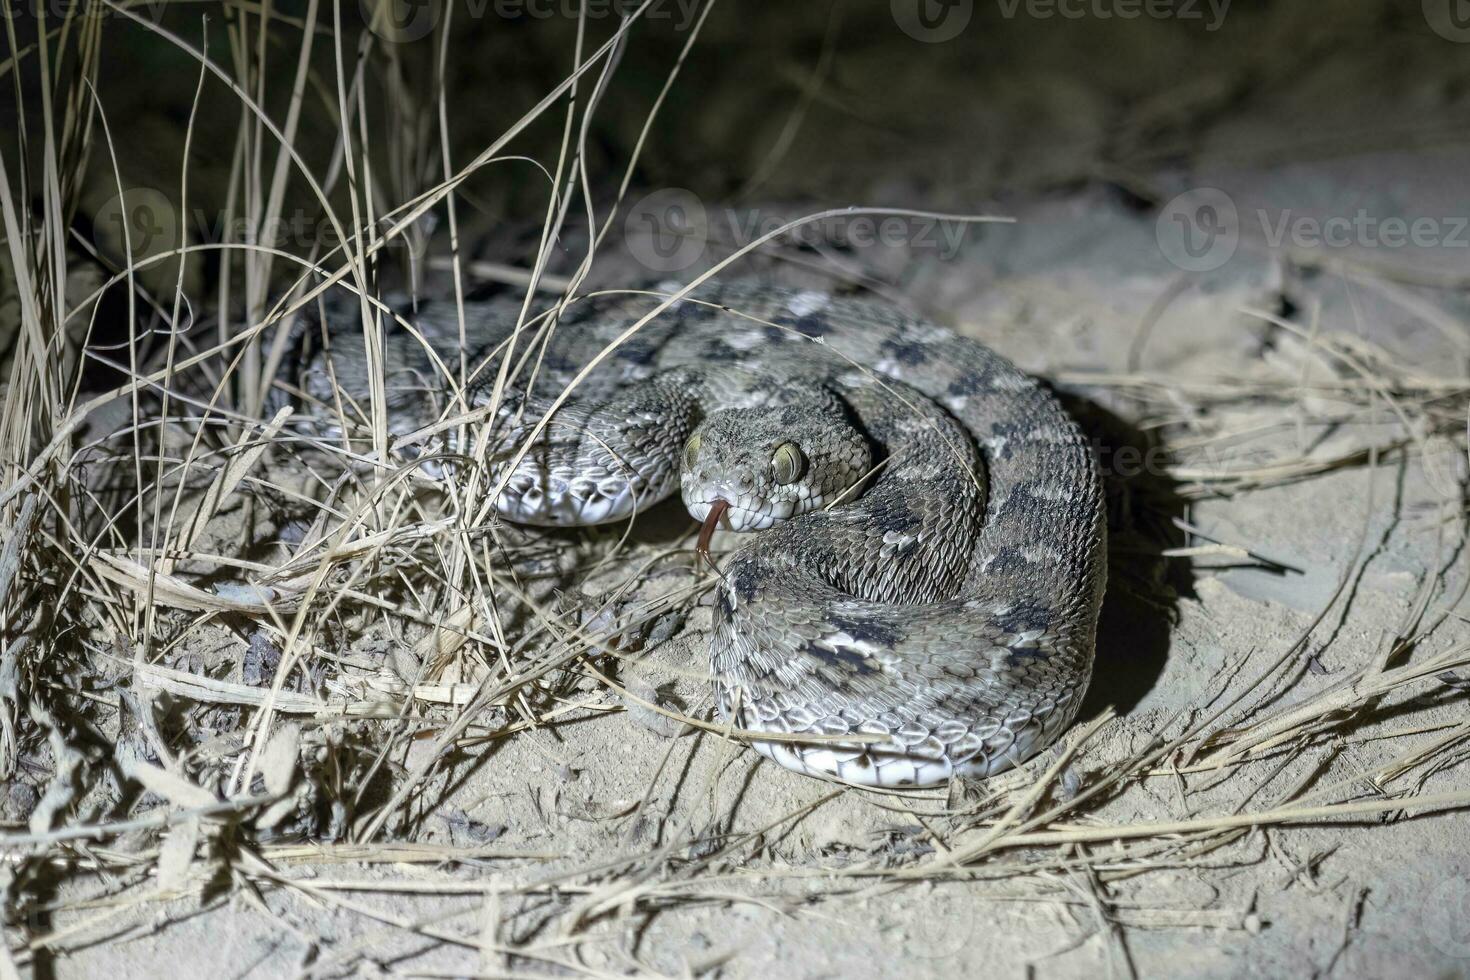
{"x": 919, "y": 595}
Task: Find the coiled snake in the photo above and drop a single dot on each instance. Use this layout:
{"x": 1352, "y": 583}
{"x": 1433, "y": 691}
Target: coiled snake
{"x": 931, "y": 561}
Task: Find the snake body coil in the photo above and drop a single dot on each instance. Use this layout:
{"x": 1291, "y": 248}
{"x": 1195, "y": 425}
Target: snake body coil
{"x": 943, "y": 611}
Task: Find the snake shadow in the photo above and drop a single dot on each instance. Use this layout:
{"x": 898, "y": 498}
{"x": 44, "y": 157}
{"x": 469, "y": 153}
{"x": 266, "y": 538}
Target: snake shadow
{"x": 1141, "y": 603}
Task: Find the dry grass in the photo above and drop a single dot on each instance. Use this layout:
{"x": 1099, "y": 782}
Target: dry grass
{"x": 165, "y": 775}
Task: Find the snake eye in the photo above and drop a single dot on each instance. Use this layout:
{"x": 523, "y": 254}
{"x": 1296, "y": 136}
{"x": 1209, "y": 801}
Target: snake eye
{"x": 691, "y": 451}
{"x": 786, "y": 463}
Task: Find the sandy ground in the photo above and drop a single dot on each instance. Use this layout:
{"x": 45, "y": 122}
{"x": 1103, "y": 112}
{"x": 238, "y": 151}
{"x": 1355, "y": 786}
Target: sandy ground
{"x": 1299, "y": 496}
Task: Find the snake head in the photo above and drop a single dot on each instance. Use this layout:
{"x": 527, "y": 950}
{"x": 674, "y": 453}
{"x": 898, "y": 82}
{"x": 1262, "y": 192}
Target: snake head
{"x": 769, "y": 464}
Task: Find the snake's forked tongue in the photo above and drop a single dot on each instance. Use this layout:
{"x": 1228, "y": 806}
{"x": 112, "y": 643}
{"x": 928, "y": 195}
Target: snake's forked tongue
{"x": 707, "y": 530}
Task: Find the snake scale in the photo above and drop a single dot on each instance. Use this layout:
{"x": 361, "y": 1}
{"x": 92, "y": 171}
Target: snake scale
{"x": 922, "y": 600}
